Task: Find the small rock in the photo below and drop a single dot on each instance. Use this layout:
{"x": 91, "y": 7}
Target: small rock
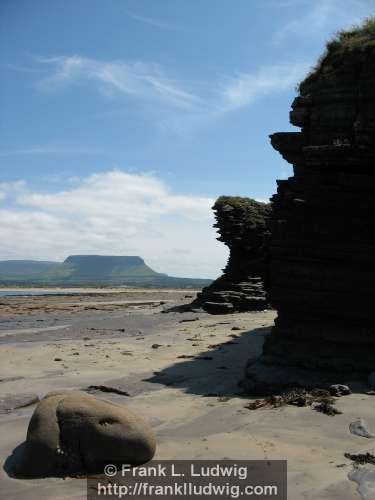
{"x": 366, "y": 457}
{"x": 57, "y": 359}
{"x": 106, "y": 388}
{"x": 360, "y": 428}
{"x": 327, "y": 409}
{"x": 339, "y": 390}
{"x": 156, "y": 346}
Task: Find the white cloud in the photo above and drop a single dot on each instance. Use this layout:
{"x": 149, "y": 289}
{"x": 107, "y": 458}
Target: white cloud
{"x": 11, "y": 187}
{"x": 247, "y": 87}
{"x": 116, "y": 213}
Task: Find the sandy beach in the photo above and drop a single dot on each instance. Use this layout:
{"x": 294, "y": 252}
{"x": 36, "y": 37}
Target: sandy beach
{"x": 180, "y": 371}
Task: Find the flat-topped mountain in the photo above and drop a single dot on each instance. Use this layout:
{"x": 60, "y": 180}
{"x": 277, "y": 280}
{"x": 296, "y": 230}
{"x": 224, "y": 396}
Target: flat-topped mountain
{"x": 90, "y": 270}
{"x": 108, "y": 267}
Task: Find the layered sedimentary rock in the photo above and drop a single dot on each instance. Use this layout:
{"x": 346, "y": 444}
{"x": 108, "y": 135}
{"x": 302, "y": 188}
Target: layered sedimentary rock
{"x": 242, "y": 224}
{"x": 322, "y": 246}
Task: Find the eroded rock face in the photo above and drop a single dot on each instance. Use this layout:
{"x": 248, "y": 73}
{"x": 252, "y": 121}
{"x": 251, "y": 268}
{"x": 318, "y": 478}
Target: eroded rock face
{"x": 322, "y": 248}
{"x": 242, "y": 224}
{"x": 72, "y": 433}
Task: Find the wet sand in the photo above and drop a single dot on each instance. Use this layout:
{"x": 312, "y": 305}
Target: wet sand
{"x": 181, "y": 371}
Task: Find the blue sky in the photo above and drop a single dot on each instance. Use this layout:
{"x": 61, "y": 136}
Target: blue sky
{"x": 122, "y": 120}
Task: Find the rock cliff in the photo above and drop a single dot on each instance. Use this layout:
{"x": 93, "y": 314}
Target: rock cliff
{"x": 242, "y": 224}
{"x": 322, "y": 248}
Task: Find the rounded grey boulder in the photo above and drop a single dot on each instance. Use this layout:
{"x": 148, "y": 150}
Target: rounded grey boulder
{"x": 72, "y": 432}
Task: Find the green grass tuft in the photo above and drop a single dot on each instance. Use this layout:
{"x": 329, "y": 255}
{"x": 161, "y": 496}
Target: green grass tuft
{"x": 358, "y": 39}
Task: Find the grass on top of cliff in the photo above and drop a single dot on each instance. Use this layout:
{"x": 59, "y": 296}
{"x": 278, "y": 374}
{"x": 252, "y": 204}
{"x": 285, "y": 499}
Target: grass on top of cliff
{"x": 238, "y": 202}
{"x": 245, "y": 213}
{"x": 359, "y": 38}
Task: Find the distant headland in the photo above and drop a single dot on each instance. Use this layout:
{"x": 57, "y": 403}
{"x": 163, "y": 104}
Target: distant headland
{"x": 90, "y": 270}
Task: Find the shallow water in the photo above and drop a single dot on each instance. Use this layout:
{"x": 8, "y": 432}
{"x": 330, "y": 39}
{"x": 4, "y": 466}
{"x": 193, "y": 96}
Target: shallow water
{"x": 4, "y": 333}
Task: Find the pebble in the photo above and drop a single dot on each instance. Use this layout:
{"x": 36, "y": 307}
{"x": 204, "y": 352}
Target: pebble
{"x": 360, "y": 428}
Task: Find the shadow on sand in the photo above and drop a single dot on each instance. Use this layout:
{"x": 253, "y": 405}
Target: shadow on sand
{"x": 13, "y": 464}
{"x": 216, "y": 371}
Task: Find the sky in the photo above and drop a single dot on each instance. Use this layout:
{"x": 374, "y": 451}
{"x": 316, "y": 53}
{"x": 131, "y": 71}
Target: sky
{"x": 123, "y": 120}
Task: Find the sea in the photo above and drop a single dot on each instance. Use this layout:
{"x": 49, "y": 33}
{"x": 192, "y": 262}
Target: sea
{"x": 31, "y": 293}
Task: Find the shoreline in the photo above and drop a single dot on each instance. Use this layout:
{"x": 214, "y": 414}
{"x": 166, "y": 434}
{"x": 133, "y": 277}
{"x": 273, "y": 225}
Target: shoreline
{"x": 84, "y": 290}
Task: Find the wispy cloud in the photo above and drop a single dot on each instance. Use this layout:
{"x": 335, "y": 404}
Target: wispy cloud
{"x": 240, "y": 92}
{"x": 156, "y": 23}
{"x": 114, "y": 212}
{"x": 324, "y": 17}
{"x": 244, "y": 89}
{"x": 136, "y": 79}
{"x": 186, "y": 107}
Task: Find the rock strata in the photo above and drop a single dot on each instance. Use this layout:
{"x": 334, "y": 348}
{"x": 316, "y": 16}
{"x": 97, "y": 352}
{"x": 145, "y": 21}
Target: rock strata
{"x": 71, "y": 433}
{"x": 242, "y": 224}
{"x": 322, "y": 247}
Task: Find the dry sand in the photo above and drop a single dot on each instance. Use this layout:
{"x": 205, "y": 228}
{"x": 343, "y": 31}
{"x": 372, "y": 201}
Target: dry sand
{"x": 186, "y": 387}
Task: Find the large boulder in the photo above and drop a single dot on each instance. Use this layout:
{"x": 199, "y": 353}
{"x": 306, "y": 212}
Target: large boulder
{"x": 72, "y": 432}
